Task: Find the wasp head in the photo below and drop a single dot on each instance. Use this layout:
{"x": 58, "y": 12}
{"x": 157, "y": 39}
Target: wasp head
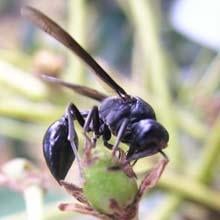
{"x": 150, "y": 137}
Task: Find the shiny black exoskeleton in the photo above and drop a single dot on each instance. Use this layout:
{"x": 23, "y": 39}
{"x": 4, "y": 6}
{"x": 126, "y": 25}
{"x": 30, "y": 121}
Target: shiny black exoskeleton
{"x": 144, "y": 135}
{"x": 57, "y": 148}
{"x": 130, "y": 119}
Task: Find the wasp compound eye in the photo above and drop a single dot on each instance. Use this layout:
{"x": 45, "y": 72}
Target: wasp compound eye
{"x": 57, "y": 149}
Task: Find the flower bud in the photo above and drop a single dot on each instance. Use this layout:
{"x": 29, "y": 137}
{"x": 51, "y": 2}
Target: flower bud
{"x": 105, "y": 186}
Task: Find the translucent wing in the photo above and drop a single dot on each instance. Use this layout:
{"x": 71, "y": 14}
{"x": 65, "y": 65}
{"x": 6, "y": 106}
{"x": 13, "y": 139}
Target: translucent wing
{"x": 53, "y": 29}
{"x": 82, "y": 90}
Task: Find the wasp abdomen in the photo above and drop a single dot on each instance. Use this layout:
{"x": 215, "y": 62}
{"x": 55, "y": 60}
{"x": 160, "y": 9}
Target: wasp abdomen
{"x": 57, "y": 150}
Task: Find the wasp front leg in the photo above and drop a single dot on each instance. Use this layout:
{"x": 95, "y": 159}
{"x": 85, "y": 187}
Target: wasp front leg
{"x": 120, "y": 135}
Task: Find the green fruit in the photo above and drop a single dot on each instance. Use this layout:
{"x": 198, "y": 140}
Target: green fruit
{"x": 103, "y": 184}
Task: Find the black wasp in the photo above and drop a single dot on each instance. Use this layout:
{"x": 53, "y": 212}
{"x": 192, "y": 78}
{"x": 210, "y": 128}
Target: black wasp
{"x": 129, "y": 118}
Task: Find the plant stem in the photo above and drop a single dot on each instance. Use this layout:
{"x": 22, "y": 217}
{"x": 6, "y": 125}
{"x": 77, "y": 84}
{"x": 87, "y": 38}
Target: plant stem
{"x": 20, "y": 130}
{"x": 77, "y": 26}
{"x": 210, "y": 154}
{"x": 192, "y": 190}
{"x": 169, "y": 206}
{"x": 147, "y": 31}
{"x": 191, "y": 124}
{"x": 22, "y": 109}
{"x": 33, "y": 196}
{"x": 210, "y": 80}
{"x": 25, "y": 84}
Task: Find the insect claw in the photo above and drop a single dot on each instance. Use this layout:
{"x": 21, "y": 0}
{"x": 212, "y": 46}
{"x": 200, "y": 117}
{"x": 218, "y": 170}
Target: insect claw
{"x": 164, "y": 155}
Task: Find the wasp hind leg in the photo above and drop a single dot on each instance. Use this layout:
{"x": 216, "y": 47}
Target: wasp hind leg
{"x": 72, "y": 113}
{"x": 92, "y": 123}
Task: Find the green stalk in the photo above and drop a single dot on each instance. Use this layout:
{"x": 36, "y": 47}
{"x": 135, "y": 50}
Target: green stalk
{"x": 170, "y": 205}
{"x": 33, "y": 196}
{"x": 191, "y": 124}
{"x": 210, "y": 154}
{"x": 23, "y": 83}
{"x": 191, "y": 189}
{"x": 20, "y": 130}
{"x": 17, "y": 58}
{"x": 24, "y": 110}
{"x": 210, "y": 80}
{"x": 77, "y": 12}
{"x": 146, "y": 29}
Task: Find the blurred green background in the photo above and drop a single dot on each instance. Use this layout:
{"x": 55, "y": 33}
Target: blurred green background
{"x": 136, "y": 42}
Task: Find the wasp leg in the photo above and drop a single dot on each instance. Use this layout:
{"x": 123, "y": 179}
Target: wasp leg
{"x": 76, "y": 114}
{"x": 73, "y": 113}
{"x": 92, "y": 123}
{"x": 106, "y": 136}
{"x": 120, "y": 135}
{"x": 93, "y": 117}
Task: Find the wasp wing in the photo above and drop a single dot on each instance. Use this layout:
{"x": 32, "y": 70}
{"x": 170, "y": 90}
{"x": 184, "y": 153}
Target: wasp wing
{"x": 82, "y": 90}
{"x": 53, "y": 29}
